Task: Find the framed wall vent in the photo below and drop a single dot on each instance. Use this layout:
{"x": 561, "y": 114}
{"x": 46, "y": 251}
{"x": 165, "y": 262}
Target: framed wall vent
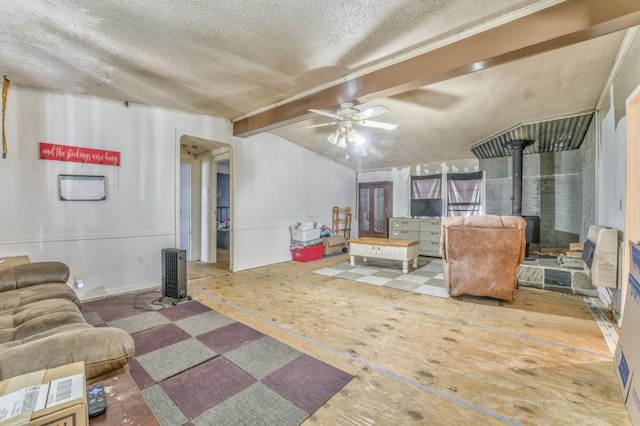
{"x": 82, "y": 188}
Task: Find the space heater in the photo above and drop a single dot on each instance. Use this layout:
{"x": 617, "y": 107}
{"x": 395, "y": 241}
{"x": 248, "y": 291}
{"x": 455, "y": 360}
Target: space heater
{"x": 600, "y": 256}
{"x": 174, "y": 274}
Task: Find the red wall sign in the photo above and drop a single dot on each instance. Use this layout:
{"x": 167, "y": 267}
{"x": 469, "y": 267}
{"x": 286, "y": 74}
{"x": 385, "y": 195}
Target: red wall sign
{"x": 51, "y": 151}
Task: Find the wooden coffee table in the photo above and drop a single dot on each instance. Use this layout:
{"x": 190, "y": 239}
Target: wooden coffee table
{"x": 384, "y": 248}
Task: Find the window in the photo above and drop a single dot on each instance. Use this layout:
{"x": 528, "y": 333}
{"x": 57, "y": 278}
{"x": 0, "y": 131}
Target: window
{"x": 426, "y": 196}
{"x": 423, "y": 187}
{"x": 464, "y": 194}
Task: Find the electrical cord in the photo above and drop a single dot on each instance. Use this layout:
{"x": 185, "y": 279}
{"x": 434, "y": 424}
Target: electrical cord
{"x": 153, "y": 302}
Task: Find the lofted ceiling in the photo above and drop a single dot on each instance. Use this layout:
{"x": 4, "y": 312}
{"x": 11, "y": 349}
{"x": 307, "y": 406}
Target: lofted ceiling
{"x": 559, "y": 134}
{"x": 252, "y": 59}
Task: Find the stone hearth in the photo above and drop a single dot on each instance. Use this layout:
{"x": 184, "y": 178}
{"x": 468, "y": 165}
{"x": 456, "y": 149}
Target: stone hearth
{"x": 546, "y": 273}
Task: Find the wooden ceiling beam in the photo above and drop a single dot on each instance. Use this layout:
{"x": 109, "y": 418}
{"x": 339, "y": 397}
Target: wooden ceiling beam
{"x": 564, "y": 24}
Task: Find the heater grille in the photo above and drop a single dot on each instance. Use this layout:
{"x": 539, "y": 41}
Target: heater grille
{"x": 174, "y": 273}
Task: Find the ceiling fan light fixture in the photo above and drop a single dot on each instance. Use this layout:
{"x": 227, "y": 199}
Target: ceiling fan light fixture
{"x": 348, "y": 115}
{"x": 355, "y": 137}
{"x": 342, "y": 142}
{"x": 352, "y": 135}
{"x": 333, "y": 137}
{"x": 342, "y": 137}
{"x": 190, "y": 149}
{"x": 359, "y": 140}
{"x": 345, "y": 134}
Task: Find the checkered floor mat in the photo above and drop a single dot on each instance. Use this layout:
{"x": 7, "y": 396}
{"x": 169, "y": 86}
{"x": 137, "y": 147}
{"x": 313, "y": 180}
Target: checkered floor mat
{"x": 426, "y": 279}
{"x": 196, "y": 366}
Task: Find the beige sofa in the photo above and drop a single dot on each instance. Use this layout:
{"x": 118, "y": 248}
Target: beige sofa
{"x": 41, "y": 326}
{"x": 481, "y": 254}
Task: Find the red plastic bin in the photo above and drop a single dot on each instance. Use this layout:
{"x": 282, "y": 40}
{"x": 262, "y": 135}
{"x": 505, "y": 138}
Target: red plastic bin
{"x": 307, "y": 254}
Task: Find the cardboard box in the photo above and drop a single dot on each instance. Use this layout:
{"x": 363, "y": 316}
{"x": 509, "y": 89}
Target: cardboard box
{"x": 333, "y": 245}
{"x": 56, "y": 396}
{"x": 633, "y": 401}
{"x": 574, "y": 254}
{"x": 627, "y": 355}
{"x": 623, "y": 370}
{"x": 576, "y": 246}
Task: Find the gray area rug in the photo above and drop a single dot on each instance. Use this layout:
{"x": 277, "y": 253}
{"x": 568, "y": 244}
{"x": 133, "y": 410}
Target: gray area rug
{"x": 426, "y": 279}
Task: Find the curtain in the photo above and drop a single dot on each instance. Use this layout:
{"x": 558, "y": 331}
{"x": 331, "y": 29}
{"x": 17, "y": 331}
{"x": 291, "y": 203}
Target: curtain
{"x": 464, "y": 194}
{"x": 423, "y": 187}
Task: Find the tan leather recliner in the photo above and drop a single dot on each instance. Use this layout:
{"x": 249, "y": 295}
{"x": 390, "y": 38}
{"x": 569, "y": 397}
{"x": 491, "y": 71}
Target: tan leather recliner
{"x": 481, "y": 254}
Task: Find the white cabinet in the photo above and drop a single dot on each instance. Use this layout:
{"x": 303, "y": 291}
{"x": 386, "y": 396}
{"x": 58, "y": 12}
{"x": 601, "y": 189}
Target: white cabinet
{"x": 383, "y": 248}
{"x": 426, "y": 231}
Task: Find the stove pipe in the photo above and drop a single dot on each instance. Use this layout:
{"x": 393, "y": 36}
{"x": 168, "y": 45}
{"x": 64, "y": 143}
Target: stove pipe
{"x": 517, "y": 148}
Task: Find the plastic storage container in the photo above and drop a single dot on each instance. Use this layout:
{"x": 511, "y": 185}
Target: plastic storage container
{"x": 307, "y": 254}
{"x": 305, "y": 234}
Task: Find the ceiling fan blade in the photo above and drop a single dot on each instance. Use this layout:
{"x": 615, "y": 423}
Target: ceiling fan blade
{"x": 331, "y": 123}
{"x": 327, "y": 113}
{"x": 372, "y": 112}
{"x": 376, "y": 124}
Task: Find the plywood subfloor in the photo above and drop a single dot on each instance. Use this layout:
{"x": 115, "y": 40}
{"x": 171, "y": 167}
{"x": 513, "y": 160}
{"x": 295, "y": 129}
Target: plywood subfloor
{"x": 419, "y": 359}
{"x": 197, "y": 270}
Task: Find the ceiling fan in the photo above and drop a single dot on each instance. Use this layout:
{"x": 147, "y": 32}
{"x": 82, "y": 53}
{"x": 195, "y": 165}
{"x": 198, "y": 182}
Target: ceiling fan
{"x": 348, "y": 115}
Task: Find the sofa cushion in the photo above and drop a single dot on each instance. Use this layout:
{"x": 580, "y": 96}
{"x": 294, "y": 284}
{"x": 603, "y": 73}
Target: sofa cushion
{"x": 34, "y": 318}
{"x": 12, "y": 299}
{"x": 33, "y": 273}
{"x": 26, "y": 312}
{"x": 41, "y": 272}
{"x": 43, "y": 334}
{"x": 103, "y": 350}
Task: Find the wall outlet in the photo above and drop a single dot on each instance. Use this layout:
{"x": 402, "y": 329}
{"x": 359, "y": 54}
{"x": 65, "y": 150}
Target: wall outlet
{"x": 79, "y": 283}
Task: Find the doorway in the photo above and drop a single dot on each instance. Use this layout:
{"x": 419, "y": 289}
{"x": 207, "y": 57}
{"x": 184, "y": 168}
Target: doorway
{"x": 205, "y": 206}
{"x": 223, "y": 214}
{"x": 185, "y": 205}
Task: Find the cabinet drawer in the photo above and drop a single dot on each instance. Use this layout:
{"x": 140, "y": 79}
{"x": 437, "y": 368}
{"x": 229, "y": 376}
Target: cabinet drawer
{"x": 430, "y": 225}
{"x": 377, "y": 250}
{"x": 430, "y": 236}
{"x": 405, "y": 235}
{"x": 430, "y": 246}
{"x": 404, "y": 225}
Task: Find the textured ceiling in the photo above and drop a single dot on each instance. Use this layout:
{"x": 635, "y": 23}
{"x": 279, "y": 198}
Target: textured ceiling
{"x": 231, "y": 58}
{"x": 443, "y": 121}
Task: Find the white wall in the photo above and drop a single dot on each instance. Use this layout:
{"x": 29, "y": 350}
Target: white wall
{"x": 185, "y": 207}
{"x": 612, "y": 153}
{"x": 278, "y": 183}
{"x": 113, "y": 245}
{"x": 612, "y": 172}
